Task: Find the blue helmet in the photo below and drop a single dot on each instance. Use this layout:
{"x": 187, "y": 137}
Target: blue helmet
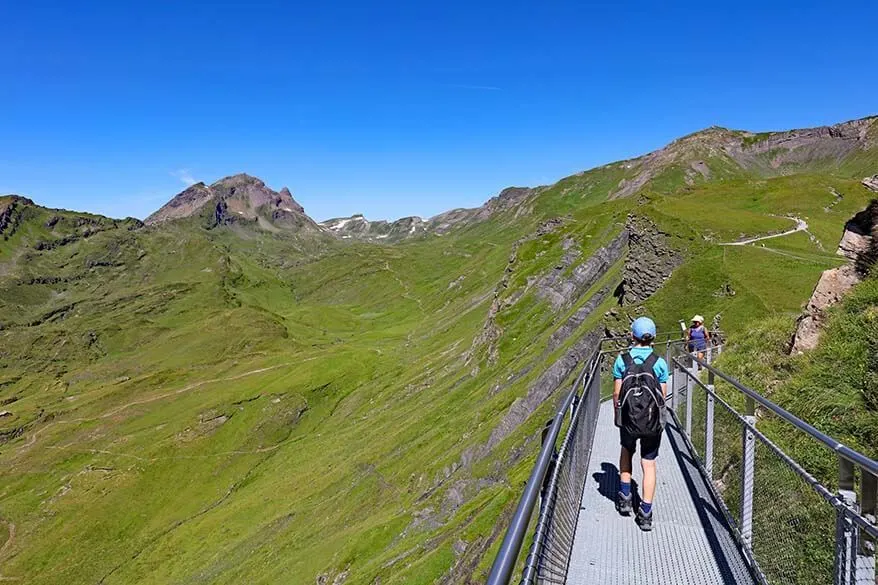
{"x": 643, "y": 327}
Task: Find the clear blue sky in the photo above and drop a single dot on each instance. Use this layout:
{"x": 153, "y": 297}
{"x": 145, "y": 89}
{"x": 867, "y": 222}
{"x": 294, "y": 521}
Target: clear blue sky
{"x": 399, "y": 108}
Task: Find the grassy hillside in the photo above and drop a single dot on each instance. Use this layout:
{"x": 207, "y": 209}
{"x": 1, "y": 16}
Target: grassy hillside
{"x": 193, "y": 403}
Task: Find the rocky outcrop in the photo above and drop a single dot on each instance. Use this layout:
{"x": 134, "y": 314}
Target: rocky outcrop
{"x": 9, "y": 212}
{"x": 544, "y": 386}
{"x": 563, "y": 291}
{"x": 859, "y": 244}
{"x": 800, "y": 147}
{"x": 234, "y": 198}
{"x": 871, "y": 183}
{"x": 538, "y": 392}
{"x": 830, "y": 289}
{"x": 766, "y": 153}
{"x": 184, "y": 204}
{"x": 578, "y": 318}
{"x": 651, "y": 260}
{"x": 490, "y": 333}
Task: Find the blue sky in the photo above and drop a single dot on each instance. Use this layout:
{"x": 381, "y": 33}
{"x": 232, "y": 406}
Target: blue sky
{"x": 399, "y": 108}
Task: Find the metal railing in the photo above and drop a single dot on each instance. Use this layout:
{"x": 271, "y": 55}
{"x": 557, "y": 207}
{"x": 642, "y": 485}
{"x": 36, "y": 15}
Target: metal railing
{"x": 557, "y": 478}
{"x": 792, "y": 528}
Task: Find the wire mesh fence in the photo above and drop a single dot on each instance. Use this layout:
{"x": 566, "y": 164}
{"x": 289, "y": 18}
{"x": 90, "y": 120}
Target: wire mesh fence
{"x": 793, "y": 528}
{"x": 863, "y": 566}
{"x": 550, "y": 551}
{"x": 793, "y": 535}
{"x": 727, "y": 459}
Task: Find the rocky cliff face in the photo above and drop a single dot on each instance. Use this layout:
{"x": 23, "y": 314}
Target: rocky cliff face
{"x": 562, "y": 291}
{"x": 239, "y": 197}
{"x": 650, "y": 262}
{"x": 859, "y": 244}
{"x": 10, "y": 210}
{"x": 716, "y": 150}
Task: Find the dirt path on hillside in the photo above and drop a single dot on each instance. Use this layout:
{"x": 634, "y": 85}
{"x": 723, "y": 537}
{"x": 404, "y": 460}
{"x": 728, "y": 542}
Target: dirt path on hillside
{"x": 6, "y": 545}
{"x": 33, "y": 437}
{"x": 407, "y": 291}
{"x": 801, "y": 226}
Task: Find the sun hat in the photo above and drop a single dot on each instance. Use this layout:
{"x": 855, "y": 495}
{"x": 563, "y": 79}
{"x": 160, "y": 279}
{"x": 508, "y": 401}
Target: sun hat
{"x": 698, "y": 319}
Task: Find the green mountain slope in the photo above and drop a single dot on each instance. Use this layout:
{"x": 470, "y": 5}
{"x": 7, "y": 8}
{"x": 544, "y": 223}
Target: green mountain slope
{"x": 224, "y": 397}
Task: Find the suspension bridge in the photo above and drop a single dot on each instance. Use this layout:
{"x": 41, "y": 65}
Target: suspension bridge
{"x": 731, "y": 507}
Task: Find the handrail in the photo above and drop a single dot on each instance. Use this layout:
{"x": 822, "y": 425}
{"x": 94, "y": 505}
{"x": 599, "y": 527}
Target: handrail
{"x": 592, "y": 366}
{"x": 504, "y": 563}
{"x": 841, "y": 449}
{"x": 824, "y": 492}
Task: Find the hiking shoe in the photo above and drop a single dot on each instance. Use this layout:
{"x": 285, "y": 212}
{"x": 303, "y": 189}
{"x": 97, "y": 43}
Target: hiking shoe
{"x": 643, "y": 520}
{"x": 624, "y": 504}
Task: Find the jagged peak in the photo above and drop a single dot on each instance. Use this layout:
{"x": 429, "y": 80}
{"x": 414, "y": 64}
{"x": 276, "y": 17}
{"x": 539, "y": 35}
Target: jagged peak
{"x": 239, "y": 179}
{"x": 14, "y": 198}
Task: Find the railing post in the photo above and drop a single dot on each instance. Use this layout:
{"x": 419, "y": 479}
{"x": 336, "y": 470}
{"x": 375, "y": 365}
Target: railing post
{"x": 748, "y": 460}
{"x": 708, "y": 427}
{"x": 690, "y": 387}
{"x": 845, "y": 533}
{"x": 865, "y": 569}
{"x": 671, "y": 370}
{"x": 670, "y": 376}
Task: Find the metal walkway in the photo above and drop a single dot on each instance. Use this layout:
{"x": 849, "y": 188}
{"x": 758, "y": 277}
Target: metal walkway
{"x": 731, "y": 506}
{"x": 691, "y": 541}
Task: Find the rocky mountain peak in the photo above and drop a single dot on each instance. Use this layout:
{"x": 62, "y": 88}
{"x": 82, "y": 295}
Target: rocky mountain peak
{"x": 236, "y": 197}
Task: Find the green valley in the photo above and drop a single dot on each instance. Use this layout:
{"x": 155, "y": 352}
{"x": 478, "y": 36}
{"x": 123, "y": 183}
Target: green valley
{"x": 231, "y": 392}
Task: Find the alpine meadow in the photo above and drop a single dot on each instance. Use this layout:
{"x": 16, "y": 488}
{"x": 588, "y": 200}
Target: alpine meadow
{"x": 231, "y": 392}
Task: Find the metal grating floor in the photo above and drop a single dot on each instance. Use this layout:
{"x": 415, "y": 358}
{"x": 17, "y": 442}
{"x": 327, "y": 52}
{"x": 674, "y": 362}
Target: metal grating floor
{"x": 690, "y": 542}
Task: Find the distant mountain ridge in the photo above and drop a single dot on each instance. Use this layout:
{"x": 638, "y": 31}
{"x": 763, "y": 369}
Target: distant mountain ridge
{"x": 708, "y": 154}
{"x": 358, "y": 227}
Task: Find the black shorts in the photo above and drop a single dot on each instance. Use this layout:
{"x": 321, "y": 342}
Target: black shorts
{"x": 649, "y": 446}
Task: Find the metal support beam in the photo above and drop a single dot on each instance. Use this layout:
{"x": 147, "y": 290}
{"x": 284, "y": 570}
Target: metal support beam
{"x": 845, "y": 532}
{"x": 708, "y": 426}
{"x": 865, "y": 569}
{"x": 672, "y": 369}
{"x": 708, "y": 434}
{"x": 690, "y": 390}
{"x": 748, "y": 462}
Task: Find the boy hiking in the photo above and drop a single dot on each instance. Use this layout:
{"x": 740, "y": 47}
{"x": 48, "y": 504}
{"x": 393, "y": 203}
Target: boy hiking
{"x": 639, "y": 391}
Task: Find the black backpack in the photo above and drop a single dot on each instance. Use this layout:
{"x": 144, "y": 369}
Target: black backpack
{"x": 641, "y": 402}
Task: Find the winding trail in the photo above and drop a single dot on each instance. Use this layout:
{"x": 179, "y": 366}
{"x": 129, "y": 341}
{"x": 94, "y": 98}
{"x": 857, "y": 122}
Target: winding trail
{"x": 3, "y": 550}
{"x": 801, "y": 226}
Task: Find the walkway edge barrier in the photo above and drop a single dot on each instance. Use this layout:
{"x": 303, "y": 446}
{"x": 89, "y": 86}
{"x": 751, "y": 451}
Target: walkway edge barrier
{"x": 504, "y": 563}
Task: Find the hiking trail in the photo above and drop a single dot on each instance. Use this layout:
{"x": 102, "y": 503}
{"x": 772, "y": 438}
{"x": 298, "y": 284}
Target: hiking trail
{"x": 801, "y": 226}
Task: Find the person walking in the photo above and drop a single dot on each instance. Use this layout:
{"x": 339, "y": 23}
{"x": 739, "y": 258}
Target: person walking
{"x": 697, "y": 337}
{"x": 639, "y": 391}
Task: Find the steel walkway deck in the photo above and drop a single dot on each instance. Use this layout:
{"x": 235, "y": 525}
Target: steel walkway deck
{"x": 690, "y": 543}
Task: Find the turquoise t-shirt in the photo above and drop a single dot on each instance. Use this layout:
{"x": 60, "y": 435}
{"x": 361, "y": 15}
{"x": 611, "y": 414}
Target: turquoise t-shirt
{"x": 639, "y": 354}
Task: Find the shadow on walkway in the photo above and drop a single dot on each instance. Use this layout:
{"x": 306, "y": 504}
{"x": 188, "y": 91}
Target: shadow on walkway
{"x": 608, "y": 481}
{"x": 714, "y": 523}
